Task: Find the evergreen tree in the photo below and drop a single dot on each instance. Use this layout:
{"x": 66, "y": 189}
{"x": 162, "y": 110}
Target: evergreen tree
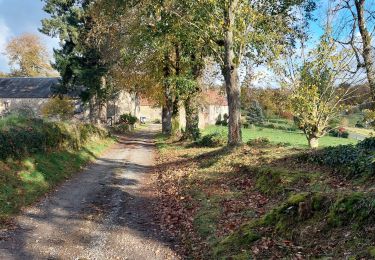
{"x": 255, "y": 114}
{"x": 78, "y": 62}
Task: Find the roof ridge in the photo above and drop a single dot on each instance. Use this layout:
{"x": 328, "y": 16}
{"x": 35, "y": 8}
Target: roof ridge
{"x": 30, "y": 77}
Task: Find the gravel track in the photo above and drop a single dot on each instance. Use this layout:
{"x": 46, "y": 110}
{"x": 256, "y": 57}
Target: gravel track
{"x": 104, "y": 212}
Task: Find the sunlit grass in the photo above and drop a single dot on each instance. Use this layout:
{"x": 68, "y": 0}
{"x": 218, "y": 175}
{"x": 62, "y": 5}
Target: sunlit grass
{"x": 295, "y": 139}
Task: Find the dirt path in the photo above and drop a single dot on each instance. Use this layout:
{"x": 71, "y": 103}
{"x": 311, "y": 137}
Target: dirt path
{"x": 103, "y": 213}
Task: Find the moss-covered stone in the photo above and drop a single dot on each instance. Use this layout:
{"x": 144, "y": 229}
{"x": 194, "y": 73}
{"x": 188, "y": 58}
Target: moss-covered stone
{"x": 232, "y": 244}
{"x": 268, "y": 181}
{"x": 354, "y": 208}
{"x": 371, "y": 251}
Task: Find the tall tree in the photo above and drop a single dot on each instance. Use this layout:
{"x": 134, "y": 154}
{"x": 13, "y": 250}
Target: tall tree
{"x": 78, "y": 62}
{"x": 358, "y": 17}
{"x": 28, "y": 56}
{"x": 257, "y": 29}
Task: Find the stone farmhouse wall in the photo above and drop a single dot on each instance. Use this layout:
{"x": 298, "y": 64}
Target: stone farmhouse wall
{"x": 34, "y": 104}
{"x": 126, "y": 103}
{"x": 149, "y": 112}
{"x": 207, "y": 115}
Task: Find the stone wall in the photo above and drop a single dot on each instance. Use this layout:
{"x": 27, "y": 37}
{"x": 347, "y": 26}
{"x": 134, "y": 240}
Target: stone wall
{"x": 149, "y": 112}
{"x": 33, "y": 104}
{"x": 207, "y": 115}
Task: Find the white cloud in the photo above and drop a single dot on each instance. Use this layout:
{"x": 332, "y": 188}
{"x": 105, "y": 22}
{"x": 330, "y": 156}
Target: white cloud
{"x": 5, "y": 34}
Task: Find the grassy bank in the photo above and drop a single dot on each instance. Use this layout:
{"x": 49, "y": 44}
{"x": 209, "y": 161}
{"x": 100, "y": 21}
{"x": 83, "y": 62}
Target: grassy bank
{"x": 262, "y": 201}
{"x": 295, "y": 139}
{"x": 28, "y": 171}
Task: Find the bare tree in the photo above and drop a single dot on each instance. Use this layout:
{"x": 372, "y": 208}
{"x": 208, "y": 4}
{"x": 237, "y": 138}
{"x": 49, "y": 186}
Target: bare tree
{"x": 356, "y": 25}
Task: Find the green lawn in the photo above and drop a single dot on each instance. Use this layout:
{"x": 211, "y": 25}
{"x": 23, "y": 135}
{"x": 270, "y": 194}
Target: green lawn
{"x": 279, "y": 136}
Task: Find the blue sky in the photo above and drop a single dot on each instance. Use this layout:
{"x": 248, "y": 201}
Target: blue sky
{"x": 17, "y": 17}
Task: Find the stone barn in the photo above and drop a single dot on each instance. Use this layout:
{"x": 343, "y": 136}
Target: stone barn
{"x": 213, "y": 103}
{"x": 32, "y": 94}
{"x": 25, "y": 93}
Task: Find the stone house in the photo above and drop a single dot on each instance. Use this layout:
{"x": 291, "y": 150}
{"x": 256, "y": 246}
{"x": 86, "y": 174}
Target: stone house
{"x": 29, "y": 94}
{"x": 213, "y": 104}
{"x": 33, "y": 93}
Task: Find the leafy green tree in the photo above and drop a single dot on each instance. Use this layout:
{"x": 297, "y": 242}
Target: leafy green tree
{"x": 61, "y": 107}
{"x": 317, "y": 101}
{"x": 235, "y": 29}
{"x": 28, "y": 57}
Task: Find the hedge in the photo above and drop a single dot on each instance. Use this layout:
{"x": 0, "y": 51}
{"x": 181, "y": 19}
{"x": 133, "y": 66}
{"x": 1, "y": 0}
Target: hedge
{"x": 37, "y": 135}
{"x": 351, "y": 160}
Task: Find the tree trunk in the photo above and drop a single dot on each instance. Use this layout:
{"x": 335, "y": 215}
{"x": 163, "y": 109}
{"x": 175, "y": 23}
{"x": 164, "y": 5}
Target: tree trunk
{"x": 230, "y": 72}
{"x": 192, "y": 118}
{"x": 192, "y": 131}
{"x": 176, "y": 102}
{"x": 367, "y": 52}
{"x": 167, "y": 110}
{"x": 313, "y": 142}
{"x": 93, "y": 110}
{"x": 167, "y": 119}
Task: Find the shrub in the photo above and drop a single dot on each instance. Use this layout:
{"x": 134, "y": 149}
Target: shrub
{"x": 225, "y": 120}
{"x": 121, "y": 128}
{"x": 212, "y": 140}
{"x": 353, "y": 161}
{"x": 37, "y": 135}
{"x": 259, "y": 141}
{"x": 339, "y": 133}
{"x": 367, "y": 144}
{"x": 62, "y": 108}
{"x": 218, "y": 120}
{"x": 359, "y": 124}
{"x": 246, "y": 125}
{"x": 128, "y": 119}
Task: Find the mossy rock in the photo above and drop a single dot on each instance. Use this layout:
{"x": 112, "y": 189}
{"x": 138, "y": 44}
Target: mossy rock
{"x": 357, "y": 209}
{"x": 269, "y": 181}
{"x": 234, "y": 243}
{"x": 371, "y": 251}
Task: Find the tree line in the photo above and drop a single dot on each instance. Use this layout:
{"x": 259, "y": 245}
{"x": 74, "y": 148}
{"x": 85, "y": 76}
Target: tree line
{"x": 160, "y": 49}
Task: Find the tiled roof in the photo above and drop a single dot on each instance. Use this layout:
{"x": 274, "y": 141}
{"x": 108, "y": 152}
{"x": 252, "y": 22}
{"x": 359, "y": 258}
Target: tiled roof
{"x": 146, "y": 102}
{"x": 28, "y": 87}
{"x": 215, "y": 97}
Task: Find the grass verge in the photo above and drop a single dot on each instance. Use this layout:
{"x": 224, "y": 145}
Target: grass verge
{"x": 261, "y": 201}
{"x": 22, "y": 182}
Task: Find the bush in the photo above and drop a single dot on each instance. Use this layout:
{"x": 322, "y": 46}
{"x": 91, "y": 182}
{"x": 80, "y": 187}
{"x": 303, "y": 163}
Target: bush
{"x": 225, "y": 120}
{"x": 213, "y": 140}
{"x": 218, "y": 120}
{"x": 367, "y": 144}
{"x": 36, "y": 135}
{"x": 339, "y": 133}
{"x": 246, "y": 125}
{"x": 353, "y": 161}
{"x": 122, "y": 128}
{"x": 128, "y": 119}
{"x": 259, "y": 141}
{"x": 359, "y": 124}
{"x": 62, "y": 108}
